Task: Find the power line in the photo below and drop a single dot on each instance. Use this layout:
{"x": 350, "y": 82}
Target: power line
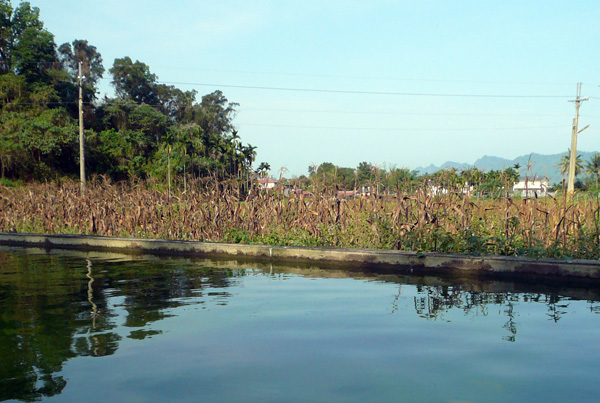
{"x": 395, "y": 129}
{"x": 293, "y": 74}
{"x": 272, "y": 73}
{"x": 396, "y": 113}
{"x": 45, "y": 103}
{"x": 323, "y": 90}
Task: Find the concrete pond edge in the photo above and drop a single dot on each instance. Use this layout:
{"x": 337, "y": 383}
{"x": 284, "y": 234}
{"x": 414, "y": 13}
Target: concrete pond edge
{"x": 394, "y": 261}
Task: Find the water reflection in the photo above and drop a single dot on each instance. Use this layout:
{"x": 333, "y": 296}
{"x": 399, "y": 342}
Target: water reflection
{"x": 55, "y": 307}
{"x": 91, "y": 293}
{"x": 436, "y": 302}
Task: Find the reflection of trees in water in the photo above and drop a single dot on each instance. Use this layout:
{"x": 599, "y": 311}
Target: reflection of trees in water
{"x": 510, "y": 324}
{"x": 555, "y": 308}
{"x": 594, "y": 306}
{"x": 435, "y": 302}
{"x": 38, "y": 323}
{"x": 55, "y": 308}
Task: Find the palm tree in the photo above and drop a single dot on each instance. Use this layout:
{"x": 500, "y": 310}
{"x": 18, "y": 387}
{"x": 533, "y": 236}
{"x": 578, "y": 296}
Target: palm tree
{"x": 263, "y": 169}
{"x": 565, "y": 161}
{"x": 593, "y": 167}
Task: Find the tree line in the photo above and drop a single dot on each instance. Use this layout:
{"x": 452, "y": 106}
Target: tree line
{"x": 145, "y": 128}
{"x": 392, "y": 179}
{"x": 371, "y": 178}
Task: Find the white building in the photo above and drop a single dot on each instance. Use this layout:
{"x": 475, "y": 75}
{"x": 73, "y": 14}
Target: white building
{"x": 267, "y": 183}
{"x": 531, "y": 187}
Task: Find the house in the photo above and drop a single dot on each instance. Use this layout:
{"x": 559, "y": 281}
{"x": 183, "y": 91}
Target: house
{"x": 435, "y": 190}
{"x": 266, "y": 183}
{"x": 531, "y": 187}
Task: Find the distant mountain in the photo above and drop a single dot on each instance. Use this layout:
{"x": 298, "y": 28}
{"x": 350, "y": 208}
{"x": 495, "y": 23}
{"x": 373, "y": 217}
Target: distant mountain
{"x": 448, "y": 164}
{"x": 533, "y": 164}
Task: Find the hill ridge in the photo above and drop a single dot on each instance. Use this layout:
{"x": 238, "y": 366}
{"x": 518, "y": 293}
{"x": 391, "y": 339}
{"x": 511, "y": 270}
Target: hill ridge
{"x": 531, "y": 164}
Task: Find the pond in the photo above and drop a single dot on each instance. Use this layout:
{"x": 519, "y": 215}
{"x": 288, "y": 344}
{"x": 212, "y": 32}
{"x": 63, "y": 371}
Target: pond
{"x": 88, "y": 326}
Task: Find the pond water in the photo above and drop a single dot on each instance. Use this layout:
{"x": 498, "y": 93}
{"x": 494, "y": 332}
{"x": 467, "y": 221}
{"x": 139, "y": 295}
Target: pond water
{"x": 94, "y": 327}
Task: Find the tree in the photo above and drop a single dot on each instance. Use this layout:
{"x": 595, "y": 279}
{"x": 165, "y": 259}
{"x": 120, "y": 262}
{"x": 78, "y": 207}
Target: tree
{"x": 134, "y": 81}
{"x": 38, "y": 143}
{"x": 13, "y": 92}
{"x": 26, "y": 48}
{"x": 215, "y": 114}
{"x": 327, "y": 172}
{"x": 175, "y": 103}
{"x": 248, "y": 154}
{"x": 35, "y": 55}
{"x": 345, "y": 177}
{"x": 70, "y": 54}
{"x": 14, "y": 23}
{"x": 263, "y": 169}
{"x": 472, "y": 176}
{"x": 593, "y": 167}
{"x": 365, "y": 173}
{"x": 565, "y": 161}
{"x": 135, "y": 132}
{"x": 400, "y": 178}
{"x": 38, "y": 93}
{"x": 510, "y": 176}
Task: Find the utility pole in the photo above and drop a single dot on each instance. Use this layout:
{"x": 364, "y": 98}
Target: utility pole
{"x": 80, "y": 79}
{"x": 573, "y": 157}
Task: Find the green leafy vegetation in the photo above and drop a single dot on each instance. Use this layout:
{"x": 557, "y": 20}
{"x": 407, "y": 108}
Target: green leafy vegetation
{"x": 137, "y": 134}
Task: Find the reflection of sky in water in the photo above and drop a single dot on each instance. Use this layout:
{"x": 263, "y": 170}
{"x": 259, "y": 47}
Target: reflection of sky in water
{"x": 173, "y": 330}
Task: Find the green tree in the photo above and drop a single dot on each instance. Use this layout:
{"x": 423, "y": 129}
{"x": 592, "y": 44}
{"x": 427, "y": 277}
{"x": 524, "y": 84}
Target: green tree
{"x": 593, "y": 167}
{"x": 126, "y": 135}
{"x": 263, "y": 169}
{"x": 14, "y": 23}
{"x": 326, "y": 174}
{"x": 215, "y": 114}
{"x": 365, "y": 173}
{"x": 35, "y": 55}
{"x": 134, "y": 81}
{"x": 510, "y": 176}
{"x": 565, "y": 161}
{"x": 26, "y": 48}
{"x": 13, "y": 92}
{"x": 178, "y": 105}
{"x": 345, "y": 177}
{"x": 69, "y": 55}
{"x": 400, "y": 179}
{"x": 38, "y": 144}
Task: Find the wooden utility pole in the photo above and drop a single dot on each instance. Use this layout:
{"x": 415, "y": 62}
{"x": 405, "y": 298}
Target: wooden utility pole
{"x": 80, "y": 79}
{"x": 574, "y": 133}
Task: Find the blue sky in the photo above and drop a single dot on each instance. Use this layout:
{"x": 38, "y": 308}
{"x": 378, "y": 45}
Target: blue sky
{"x": 379, "y": 59}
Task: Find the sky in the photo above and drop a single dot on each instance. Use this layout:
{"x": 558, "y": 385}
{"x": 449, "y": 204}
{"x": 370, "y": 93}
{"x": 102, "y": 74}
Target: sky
{"x": 394, "y": 83}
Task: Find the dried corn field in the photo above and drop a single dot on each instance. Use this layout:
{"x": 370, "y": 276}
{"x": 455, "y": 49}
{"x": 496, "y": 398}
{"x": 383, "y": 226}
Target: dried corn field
{"x": 210, "y": 211}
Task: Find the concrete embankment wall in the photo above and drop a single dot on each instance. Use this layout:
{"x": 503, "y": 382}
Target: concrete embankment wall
{"x": 393, "y": 261}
